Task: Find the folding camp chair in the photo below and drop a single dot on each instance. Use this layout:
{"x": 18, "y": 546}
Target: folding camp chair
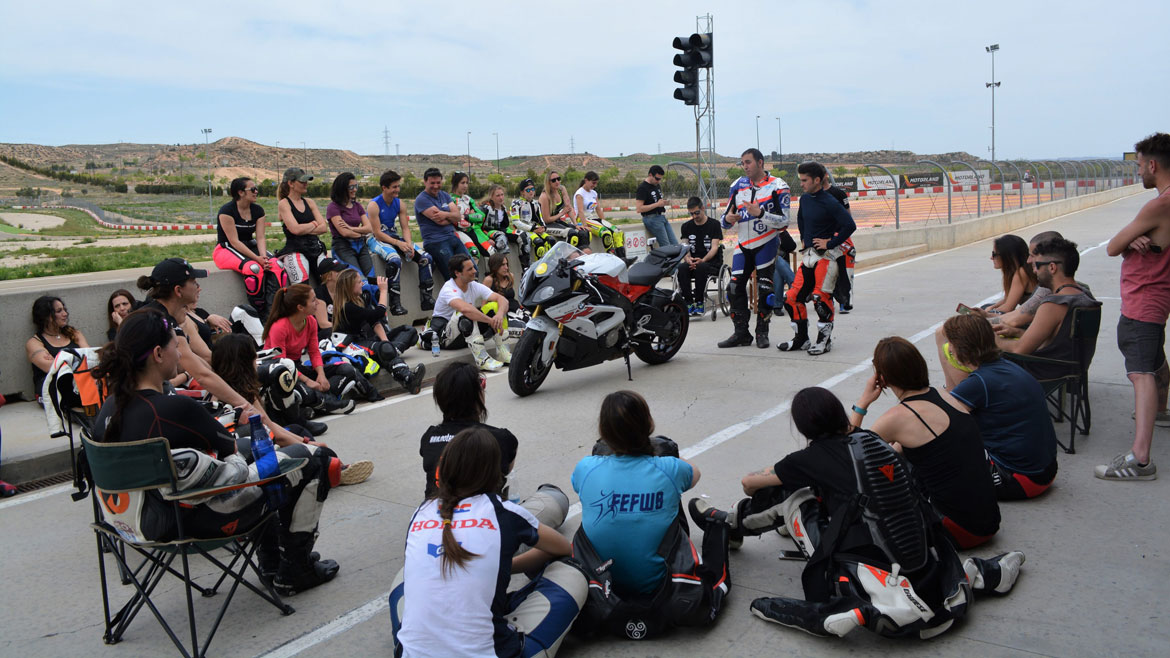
{"x": 122, "y": 475}
{"x": 1061, "y": 378}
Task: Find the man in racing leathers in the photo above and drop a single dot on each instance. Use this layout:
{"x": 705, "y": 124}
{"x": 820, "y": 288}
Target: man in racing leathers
{"x": 758, "y": 211}
{"x": 386, "y": 243}
{"x": 526, "y": 216}
{"x": 824, "y": 226}
{"x": 843, "y": 292}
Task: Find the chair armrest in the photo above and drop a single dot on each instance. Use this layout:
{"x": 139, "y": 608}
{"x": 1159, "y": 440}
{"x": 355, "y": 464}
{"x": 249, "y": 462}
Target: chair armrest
{"x": 1030, "y": 358}
{"x": 286, "y": 466}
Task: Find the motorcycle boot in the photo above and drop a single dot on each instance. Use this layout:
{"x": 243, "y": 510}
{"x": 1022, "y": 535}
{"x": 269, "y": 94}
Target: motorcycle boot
{"x": 411, "y": 380}
{"x": 483, "y": 360}
{"x": 503, "y": 355}
{"x": 799, "y": 341}
{"x": 299, "y": 570}
{"x": 824, "y": 339}
{"x": 396, "y": 307}
{"x": 424, "y": 295}
{"x": 762, "y": 323}
{"x": 741, "y": 337}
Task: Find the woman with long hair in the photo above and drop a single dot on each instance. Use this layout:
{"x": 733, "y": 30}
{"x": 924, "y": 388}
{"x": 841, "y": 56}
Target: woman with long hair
{"x": 134, "y": 367}
{"x": 292, "y": 327}
{"x": 559, "y": 213}
{"x": 469, "y": 226}
{"x": 234, "y": 359}
{"x": 497, "y": 225}
{"x": 939, "y": 438}
{"x": 302, "y": 223}
{"x": 1009, "y": 255}
{"x": 458, "y": 564}
{"x": 499, "y": 278}
{"x": 52, "y": 333}
{"x": 850, "y": 525}
{"x": 459, "y": 394}
{"x": 120, "y": 304}
{"x": 591, "y": 215}
{"x": 525, "y": 213}
{"x": 240, "y": 244}
{"x": 364, "y": 325}
{"x": 349, "y": 225}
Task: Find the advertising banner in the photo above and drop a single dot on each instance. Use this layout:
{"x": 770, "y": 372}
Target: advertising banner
{"x": 910, "y": 181}
{"x": 882, "y": 182}
{"x": 966, "y": 177}
{"x": 847, "y": 183}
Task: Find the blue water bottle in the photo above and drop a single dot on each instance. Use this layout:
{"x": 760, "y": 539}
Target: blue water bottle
{"x": 264, "y": 456}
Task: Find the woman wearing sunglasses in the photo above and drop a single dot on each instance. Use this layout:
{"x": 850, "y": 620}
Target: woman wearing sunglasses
{"x": 240, "y": 243}
{"x": 526, "y": 215}
{"x": 561, "y": 216}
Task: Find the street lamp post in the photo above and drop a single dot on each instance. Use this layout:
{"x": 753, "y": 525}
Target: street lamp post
{"x": 469, "y": 154}
{"x": 992, "y": 85}
{"x": 304, "y": 156}
{"x": 497, "y": 136}
{"x": 757, "y": 132}
{"x": 207, "y": 152}
{"x": 278, "y": 156}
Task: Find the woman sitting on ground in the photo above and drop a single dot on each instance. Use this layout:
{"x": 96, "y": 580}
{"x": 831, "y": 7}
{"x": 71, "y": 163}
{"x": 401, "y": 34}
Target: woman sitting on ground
{"x": 850, "y": 526}
{"x": 328, "y": 270}
{"x": 451, "y": 598}
{"x": 364, "y": 325}
{"x": 53, "y": 334}
{"x": 1007, "y": 402}
{"x": 292, "y": 327}
{"x": 1009, "y": 254}
{"x": 120, "y": 304}
{"x": 134, "y": 367}
{"x": 234, "y": 359}
{"x": 937, "y": 436}
{"x": 459, "y": 395}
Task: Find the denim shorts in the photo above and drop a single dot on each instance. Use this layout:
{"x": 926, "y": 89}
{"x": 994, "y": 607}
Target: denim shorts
{"x": 1142, "y": 344}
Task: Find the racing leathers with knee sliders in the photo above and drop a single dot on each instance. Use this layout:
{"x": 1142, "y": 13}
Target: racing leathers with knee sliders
{"x": 526, "y": 216}
{"x": 756, "y": 247}
{"x": 820, "y": 215}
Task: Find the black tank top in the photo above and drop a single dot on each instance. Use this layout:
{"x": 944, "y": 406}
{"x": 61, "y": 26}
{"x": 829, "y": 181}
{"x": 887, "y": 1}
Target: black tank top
{"x": 38, "y": 374}
{"x": 309, "y": 244}
{"x": 953, "y": 471}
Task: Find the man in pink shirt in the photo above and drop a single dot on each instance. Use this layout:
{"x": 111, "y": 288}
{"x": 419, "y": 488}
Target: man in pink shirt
{"x": 1144, "y": 245}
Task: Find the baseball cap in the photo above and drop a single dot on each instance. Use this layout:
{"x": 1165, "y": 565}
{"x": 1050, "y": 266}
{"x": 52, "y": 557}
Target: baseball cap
{"x": 175, "y": 271}
{"x": 296, "y": 174}
{"x": 526, "y": 183}
{"x": 331, "y": 265}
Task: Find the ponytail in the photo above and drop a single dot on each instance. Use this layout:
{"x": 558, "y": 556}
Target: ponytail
{"x": 122, "y": 359}
{"x": 282, "y": 190}
{"x": 469, "y": 466}
{"x": 285, "y": 303}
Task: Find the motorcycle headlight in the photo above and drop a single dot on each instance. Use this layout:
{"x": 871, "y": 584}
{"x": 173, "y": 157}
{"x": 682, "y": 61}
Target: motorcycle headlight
{"x": 542, "y": 294}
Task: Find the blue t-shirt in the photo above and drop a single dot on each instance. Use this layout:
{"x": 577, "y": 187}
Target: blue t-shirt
{"x": 1009, "y": 405}
{"x": 627, "y": 503}
{"x": 388, "y": 214}
{"x": 431, "y": 231}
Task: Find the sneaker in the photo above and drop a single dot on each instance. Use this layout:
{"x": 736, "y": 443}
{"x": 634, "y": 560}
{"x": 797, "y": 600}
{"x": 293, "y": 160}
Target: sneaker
{"x": 356, "y": 472}
{"x": 700, "y": 310}
{"x": 7, "y": 490}
{"x": 844, "y": 310}
{"x": 798, "y": 344}
{"x": 1161, "y": 420}
{"x": 1126, "y": 467}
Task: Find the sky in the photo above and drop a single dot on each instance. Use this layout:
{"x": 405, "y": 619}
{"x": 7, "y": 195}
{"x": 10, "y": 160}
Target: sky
{"x": 1077, "y": 78}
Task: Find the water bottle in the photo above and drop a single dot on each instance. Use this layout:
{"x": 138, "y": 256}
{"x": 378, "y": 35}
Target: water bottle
{"x": 264, "y": 456}
{"x": 434, "y": 343}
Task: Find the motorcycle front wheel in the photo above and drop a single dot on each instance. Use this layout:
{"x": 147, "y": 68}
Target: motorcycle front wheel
{"x": 662, "y": 347}
{"x": 527, "y": 373}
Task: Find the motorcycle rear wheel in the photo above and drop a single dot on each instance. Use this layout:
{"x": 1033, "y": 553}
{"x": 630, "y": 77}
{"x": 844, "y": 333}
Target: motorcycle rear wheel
{"x": 526, "y": 373}
{"x": 661, "y": 349}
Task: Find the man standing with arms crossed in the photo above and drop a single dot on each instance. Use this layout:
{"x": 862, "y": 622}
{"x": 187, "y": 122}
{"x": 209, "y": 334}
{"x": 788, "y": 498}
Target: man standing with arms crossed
{"x": 1144, "y": 245}
{"x": 649, "y": 201}
{"x": 758, "y": 211}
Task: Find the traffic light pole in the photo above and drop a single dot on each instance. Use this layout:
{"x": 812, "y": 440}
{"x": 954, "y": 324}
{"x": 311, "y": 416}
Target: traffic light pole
{"x": 698, "y": 90}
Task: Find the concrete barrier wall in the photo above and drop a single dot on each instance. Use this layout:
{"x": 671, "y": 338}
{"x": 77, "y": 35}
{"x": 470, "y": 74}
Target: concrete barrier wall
{"x": 86, "y": 294}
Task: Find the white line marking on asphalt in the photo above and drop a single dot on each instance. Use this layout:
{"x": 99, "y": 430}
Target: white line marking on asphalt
{"x": 335, "y": 627}
{"x": 36, "y": 495}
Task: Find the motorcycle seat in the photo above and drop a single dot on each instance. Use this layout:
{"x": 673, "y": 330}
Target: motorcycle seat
{"x": 648, "y": 271}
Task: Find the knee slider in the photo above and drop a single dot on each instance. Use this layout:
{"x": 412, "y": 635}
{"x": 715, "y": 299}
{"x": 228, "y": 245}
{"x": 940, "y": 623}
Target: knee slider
{"x": 824, "y": 311}
{"x": 465, "y": 326}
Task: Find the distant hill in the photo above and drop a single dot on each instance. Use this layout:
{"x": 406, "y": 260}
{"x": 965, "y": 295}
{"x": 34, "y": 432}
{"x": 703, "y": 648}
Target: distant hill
{"x": 236, "y": 156}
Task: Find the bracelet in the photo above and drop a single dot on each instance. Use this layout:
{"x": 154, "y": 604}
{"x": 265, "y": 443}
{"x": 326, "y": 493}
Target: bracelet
{"x": 859, "y": 411}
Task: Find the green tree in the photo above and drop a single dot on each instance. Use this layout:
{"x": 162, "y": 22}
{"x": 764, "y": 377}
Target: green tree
{"x": 734, "y": 173}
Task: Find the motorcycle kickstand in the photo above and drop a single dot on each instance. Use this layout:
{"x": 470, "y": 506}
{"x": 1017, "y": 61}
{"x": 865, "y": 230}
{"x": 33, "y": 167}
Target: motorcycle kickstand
{"x": 629, "y": 369}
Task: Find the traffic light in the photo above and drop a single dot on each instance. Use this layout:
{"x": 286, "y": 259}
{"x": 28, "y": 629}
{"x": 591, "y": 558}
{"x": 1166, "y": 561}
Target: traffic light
{"x": 696, "y": 54}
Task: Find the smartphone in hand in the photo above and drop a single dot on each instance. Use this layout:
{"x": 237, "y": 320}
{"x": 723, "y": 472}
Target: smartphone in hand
{"x": 963, "y": 309}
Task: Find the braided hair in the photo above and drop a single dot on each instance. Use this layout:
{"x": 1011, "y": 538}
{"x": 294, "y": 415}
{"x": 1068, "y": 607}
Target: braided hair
{"x": 469, "y": 466}
{"x": 122, "y": 359}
